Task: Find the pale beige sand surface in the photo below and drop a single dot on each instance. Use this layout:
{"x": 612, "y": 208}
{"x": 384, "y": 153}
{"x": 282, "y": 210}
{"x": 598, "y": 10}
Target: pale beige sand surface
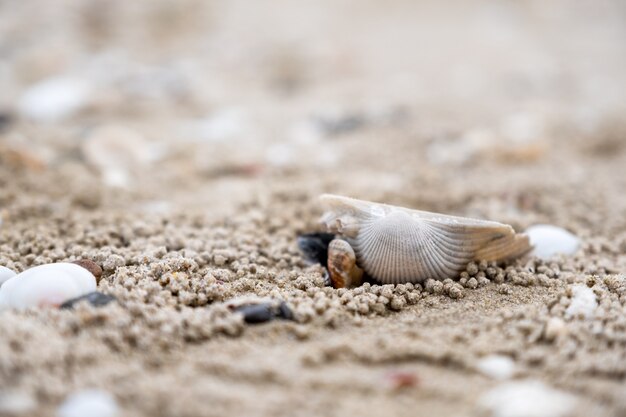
{"x": 233, "y": 118}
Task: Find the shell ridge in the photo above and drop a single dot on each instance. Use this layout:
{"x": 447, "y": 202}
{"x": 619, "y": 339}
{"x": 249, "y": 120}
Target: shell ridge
{"x": 431, "y": 267}
{"x": 449, "y": 254}
{"x": 366, "y": 247}
{"x": 467, "y": 222}
{"x": 393, "y": 255}
{"x": 443, "y": 246}
{"x": 480, "y": 236}
{"x": 445, "y": 268}
{"x": 405, "y": 265}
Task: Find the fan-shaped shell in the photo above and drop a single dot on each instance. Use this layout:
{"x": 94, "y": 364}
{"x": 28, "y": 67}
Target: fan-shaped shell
{"x": 395, "y": 244}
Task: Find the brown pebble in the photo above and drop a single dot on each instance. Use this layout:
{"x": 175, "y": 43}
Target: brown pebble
{"x": 401, "y": 379}
{"x": 90, "y": 266}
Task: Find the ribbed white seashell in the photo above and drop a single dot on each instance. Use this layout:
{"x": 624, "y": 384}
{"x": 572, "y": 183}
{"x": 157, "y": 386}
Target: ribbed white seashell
{"x": 395, "y": 244}
{"x": 46, "y": 285}
{"x": 6, "y": 274}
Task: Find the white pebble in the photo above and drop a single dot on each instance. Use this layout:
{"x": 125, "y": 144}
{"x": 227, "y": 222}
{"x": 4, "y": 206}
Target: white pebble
{"x": 551, "y": 240}
{"x": 555, "y": 329}
{"x": 46, "y": 285}
{"x": 280, "y": 155}
{"x": 15, "y": 402}
{"x": 496, "y": 366}
{"x": 223, "y": 125}
{"x": 583, "y": 302}
{"x": 92, "y": 403}
{"x": 5, "y": 274}
{"x": 54, "y": 99}
{"x": 526, "y": 399}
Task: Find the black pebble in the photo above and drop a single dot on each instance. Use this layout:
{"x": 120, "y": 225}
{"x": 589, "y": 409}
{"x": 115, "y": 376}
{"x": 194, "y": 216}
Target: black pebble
{"x": 260, "y": 313}
{"x": 284, "y": 312}
{"x": 340, "y": 125}
{"x": 96, "y": 299}
{"x": 5, "y": 120}
{"x": 257, "y": 313}
{"x": 314, "y": 246}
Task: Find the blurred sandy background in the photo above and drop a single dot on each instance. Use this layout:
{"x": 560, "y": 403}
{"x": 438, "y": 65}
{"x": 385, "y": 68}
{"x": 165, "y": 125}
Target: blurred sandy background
{"x": 182, "y": 144}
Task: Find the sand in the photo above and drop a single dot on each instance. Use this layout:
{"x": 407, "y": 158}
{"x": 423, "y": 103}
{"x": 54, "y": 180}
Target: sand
{"x": 234, "y": 117}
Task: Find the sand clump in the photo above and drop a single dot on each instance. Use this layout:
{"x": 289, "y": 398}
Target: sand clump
{"x": 234, "y": 131}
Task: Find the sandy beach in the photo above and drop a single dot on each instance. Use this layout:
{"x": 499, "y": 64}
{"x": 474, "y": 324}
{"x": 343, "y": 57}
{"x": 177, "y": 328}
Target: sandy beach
{"x": 182, "y": 146}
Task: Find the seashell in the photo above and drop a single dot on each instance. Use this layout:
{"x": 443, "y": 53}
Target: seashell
{"x": 46, "y": 285}
{"x": 89, "y": 402}
{"x": 395, "y": 244}
{"x": 342, "y": 265}
{"x": 6, "y": 274}
{"x": 548, "y": 240}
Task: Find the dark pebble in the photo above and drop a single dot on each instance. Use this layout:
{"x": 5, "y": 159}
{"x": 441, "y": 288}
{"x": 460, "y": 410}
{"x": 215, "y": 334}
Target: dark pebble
{"x": 257, "y": 313}
{"x": 90, "y": 266}
{"x": 342, "y": 124}
{"x": 284, "y": 312}
{"x": 96, "y": 299}
{"x": 260, "y": 313}
{"x": 5, "y": 120}
{"x": 314, "y": 246}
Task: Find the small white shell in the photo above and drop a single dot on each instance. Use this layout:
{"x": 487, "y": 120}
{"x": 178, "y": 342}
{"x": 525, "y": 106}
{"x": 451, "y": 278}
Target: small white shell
{"x": 6, "y": 274}
{"x": 46, "y": 285}
{"x": 395, "y": 244}
{"x": 89, "y": 402}
{"x": 549, "y": 240}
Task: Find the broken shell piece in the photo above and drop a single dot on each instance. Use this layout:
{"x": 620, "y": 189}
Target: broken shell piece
{"x": 342, "y": 265}
{"x": 46, "y": 285}
{"x": 395, "y": 244}
{"x": 6, "y": 274}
